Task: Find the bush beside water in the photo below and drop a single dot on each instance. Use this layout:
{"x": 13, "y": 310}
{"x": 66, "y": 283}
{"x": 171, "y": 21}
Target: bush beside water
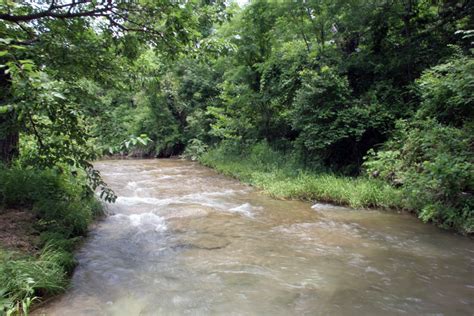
{"x": 282, "y": 176}
{"x": 63, "y": 208}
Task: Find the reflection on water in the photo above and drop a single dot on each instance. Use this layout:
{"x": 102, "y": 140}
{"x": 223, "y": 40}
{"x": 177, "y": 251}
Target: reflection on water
{"x": 183, "y": 240}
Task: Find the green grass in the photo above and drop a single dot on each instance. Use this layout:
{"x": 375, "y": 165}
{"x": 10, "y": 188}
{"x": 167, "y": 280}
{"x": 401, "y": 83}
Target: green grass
{"x": 25, "y": 278}
{"x": 283, "y": 178}
{"x": 63, "y": 209}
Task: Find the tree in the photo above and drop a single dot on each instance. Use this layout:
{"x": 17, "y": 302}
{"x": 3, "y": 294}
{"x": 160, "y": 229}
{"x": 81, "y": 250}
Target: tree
{"x": 53, "y": 52}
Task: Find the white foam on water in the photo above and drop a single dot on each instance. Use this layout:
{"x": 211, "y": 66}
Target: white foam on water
{"x": 170, "y": 177}
{"x": 134, "y": 200}
{"x": 160, "y": 203}
{"x": 204, "y": 198}
{"x": 246, "y": 209}
{"x": 216, "y": 200}
{"x": 327, "y": 206}
{"x": 204, "y": 195}
{"x": 132, "y": 185}
{"x": 167, "y": 177}
{"x": 145, "y": 221}
{"x": 370, "y": 269}
{"x": 148, "y": 171}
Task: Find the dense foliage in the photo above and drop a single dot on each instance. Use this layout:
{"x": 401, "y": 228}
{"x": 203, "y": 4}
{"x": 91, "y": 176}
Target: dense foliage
{"x": 431, "y": 154}
{"x": 379, "y": 90}
{"x": 63, "y": 209}
{"x": 69, "y": 72}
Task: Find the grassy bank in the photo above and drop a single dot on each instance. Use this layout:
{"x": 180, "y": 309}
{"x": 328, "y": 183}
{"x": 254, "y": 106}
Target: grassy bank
{"x": 36, "y": 254}
{"x": 283, "y": 177}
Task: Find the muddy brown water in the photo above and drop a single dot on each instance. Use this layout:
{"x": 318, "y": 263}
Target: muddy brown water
{"x": 183, "y": 240}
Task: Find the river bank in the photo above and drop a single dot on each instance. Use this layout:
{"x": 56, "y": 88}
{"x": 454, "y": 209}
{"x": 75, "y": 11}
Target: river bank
{"x": 283, "y": 178}
{"x": 43, "y": 216}
{"x": 279, "y": 178}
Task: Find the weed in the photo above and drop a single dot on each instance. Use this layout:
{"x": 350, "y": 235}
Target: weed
{"x": 285, "y": 178}
{"x": 64, "y": 208}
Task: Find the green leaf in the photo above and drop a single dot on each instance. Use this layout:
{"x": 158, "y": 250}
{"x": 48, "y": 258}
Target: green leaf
{"x": 18, "y": 47}
{"x": 4, "y": 109}
{"x": 58, "y": 95}
{"x": 142, "y": 141}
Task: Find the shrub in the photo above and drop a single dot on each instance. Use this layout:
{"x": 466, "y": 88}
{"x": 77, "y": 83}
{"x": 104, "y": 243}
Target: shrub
{"x": 59, "y": 200}
{"x": 431, "y": 157}
{"x": 194, "y": 149}
{"x": 333, "y": 126}
{"x": 64, "y": 209}
{"x": 447, "y": 91}
{"x": 434, "y": 165}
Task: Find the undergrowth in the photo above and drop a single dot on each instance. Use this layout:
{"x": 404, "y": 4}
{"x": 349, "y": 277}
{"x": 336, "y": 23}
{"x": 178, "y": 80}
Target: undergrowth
{"x": 63, "y": 208}
{"x": 283, "y": 177}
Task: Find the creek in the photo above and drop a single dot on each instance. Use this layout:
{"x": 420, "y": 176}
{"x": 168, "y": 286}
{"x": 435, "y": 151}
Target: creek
{"x": 182, "y": 239}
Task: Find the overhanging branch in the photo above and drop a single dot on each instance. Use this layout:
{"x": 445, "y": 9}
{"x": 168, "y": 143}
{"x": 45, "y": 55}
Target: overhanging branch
{"x": 74, "y": 9}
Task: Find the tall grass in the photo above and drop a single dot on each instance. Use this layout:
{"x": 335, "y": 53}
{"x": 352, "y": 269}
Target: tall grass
{"x": 64, "y": 208}
{"x": 283, "y": 177}
{"x": 23, "y": 278}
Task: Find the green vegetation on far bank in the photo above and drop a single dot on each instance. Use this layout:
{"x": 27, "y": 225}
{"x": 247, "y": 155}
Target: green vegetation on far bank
{"x": 283, "y": 176}
{"x": 61, "y": 210}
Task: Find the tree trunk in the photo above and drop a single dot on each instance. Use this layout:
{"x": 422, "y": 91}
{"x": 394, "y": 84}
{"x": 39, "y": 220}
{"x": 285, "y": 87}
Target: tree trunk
{"x": 9, "y": 131}
{"x": 9, "y": 138}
